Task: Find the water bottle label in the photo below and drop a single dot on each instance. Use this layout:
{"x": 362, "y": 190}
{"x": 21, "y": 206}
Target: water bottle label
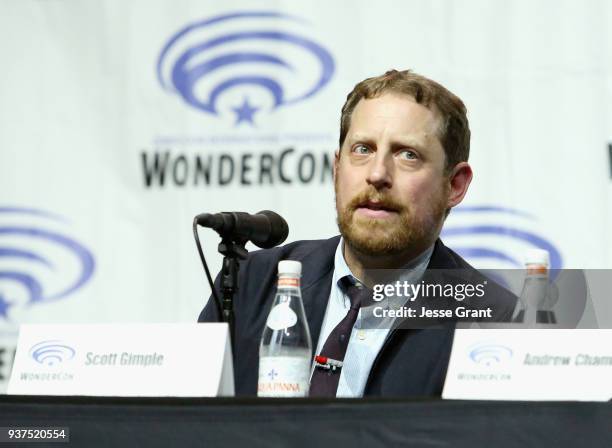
{"x": 537, "y": 271}
{"x": 288, "y": 282}
{"x": 281, "y": 316}
{"x": 283, "y": 376}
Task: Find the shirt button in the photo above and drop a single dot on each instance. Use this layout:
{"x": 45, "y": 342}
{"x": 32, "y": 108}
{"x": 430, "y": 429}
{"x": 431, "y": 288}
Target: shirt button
{"x": 361, "y": 334}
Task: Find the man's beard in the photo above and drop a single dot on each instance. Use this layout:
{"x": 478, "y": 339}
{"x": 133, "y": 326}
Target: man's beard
{"x": 406, "y": 231}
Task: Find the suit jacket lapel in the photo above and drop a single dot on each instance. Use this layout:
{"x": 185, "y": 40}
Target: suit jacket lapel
{"x": 318, "y": 269}
{"x": 440, "y": 257}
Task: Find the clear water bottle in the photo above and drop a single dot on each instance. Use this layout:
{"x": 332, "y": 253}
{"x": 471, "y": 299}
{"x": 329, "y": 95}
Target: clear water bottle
{"x": 530, "y": 307}
{"x": 285, "y": 353}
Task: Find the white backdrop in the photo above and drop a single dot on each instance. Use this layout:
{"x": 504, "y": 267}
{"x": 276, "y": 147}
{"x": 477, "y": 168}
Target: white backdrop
{"x": 84, "y": 111}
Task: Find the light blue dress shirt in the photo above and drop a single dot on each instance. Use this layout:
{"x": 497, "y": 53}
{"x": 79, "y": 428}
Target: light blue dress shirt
{"x": 364, "y": 344}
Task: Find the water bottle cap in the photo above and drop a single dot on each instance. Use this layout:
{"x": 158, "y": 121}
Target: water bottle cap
{"x": 537, "y": 256}
{"x": 290, "y": 267}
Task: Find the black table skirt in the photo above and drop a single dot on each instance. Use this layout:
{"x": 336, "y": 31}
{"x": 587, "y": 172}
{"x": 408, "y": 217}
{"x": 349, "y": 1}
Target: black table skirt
{"x": 312, "y": 423}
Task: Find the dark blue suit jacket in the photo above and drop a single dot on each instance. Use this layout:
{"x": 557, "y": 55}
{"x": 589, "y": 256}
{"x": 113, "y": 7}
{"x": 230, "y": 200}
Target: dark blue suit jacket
{"x": 410, "y": 363}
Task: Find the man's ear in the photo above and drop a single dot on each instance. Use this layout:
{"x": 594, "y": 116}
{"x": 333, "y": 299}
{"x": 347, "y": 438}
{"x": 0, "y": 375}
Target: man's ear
{"x": 459, "y": 181}
{"x": 336, "y": 161}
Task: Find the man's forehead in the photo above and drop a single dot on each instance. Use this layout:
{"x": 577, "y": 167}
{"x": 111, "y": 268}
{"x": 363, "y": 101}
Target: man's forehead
{"x": 396, "y": 113}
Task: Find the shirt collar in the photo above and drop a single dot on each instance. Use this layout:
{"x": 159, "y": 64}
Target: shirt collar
{"x": 341, "y": 269}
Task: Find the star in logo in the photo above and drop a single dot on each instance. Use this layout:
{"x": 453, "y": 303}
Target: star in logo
{"x": 272, "y": 374}
{"x": 245, "y": 112}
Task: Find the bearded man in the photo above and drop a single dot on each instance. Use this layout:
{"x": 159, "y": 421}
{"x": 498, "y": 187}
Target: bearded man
{"x": 401, "y": 166}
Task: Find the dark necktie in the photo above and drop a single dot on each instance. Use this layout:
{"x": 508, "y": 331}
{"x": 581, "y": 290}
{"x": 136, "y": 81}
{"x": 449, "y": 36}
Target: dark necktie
{"x": 324, "y": 383}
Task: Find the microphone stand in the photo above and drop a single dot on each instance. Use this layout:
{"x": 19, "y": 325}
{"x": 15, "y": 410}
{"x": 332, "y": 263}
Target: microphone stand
{"x": 232, "y": 251}
{"x": 235, "y": 230}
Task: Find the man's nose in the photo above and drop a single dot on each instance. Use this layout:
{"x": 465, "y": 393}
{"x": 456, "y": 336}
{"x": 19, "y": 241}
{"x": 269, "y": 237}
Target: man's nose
{"x": 380, "y": 173}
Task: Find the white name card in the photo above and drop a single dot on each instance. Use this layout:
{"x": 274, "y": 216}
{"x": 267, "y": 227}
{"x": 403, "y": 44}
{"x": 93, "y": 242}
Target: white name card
{"x": 179, "y": 360}
{"x": 530, "y": 364}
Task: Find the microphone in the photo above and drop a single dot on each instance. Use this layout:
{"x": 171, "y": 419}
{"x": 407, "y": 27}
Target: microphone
{"x": 265, "y": 229}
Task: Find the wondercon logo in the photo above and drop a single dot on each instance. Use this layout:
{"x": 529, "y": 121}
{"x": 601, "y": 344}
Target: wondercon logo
{"x": 496, "y": 237}
{"x": 244, "y": 63}
{"x": 50, "y": 353}
{"x": 39, "y": 263}
{"x": 490, "y": 354}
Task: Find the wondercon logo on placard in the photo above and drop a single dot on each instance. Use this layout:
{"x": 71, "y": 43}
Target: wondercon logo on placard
{"x": 488, "y": 354}
{"x": 39, "y": 263}
{"x": 50, "y": 353}
{"x": 244, "y": 63}
{"x": 496, "y": 237}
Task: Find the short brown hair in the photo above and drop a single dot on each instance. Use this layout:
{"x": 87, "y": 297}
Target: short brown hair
{"x": 454, "y": 133}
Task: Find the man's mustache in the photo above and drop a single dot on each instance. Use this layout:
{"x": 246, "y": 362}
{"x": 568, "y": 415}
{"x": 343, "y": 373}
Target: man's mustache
{"x": 370, "y": 198}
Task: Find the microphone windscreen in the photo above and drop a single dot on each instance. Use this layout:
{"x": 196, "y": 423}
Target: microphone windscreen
{"x": 279, "y": 230}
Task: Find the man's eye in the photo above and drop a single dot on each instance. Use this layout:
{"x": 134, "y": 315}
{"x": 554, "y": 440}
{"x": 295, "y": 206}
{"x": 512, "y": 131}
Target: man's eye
{"x": 361, "y": 149}
{"x": 408, "y": 154}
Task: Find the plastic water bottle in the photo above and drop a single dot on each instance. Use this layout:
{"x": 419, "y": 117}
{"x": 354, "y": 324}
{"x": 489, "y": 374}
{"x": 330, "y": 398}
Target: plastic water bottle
{"x": 285, "y": 353}
{"x": 530, "y": 307}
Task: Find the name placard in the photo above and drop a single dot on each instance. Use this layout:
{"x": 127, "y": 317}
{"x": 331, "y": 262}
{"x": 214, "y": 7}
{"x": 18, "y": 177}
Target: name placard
{"x": 180, "y": 360}
{"x": 530, "y": 364}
